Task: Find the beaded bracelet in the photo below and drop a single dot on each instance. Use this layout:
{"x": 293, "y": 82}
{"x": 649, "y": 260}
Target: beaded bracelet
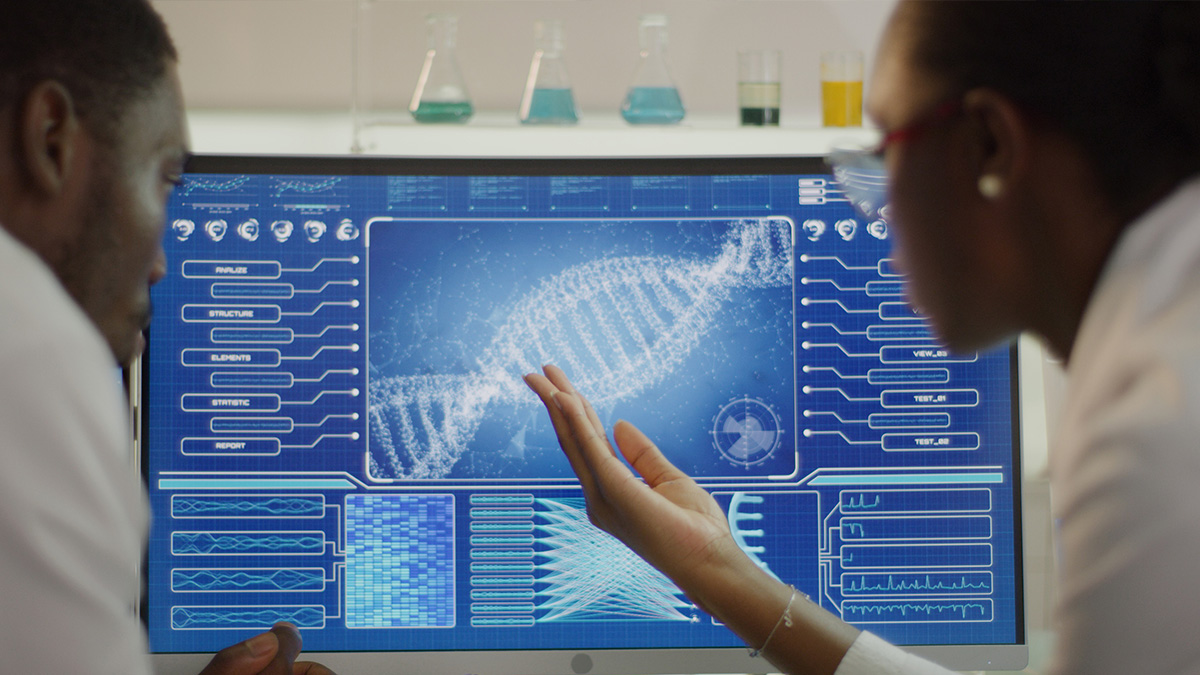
{"x": 784, "y": 619}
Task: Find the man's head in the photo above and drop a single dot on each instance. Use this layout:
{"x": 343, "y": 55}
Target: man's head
{"x": 93, "y": 137}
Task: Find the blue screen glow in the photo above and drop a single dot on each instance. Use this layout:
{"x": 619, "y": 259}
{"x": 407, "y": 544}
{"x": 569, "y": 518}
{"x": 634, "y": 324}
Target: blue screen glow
{"x": 337, "y": 433}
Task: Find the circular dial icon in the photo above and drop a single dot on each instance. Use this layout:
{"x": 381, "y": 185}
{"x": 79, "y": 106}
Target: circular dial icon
{"x": 746, "y": 431}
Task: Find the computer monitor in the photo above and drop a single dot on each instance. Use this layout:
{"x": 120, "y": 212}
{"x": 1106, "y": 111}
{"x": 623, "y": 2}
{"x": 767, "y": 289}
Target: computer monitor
{"x": 334, "y": 430}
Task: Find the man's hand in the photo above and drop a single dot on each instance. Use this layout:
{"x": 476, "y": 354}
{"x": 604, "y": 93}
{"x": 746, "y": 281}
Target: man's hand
{"x": 270, "y": 653}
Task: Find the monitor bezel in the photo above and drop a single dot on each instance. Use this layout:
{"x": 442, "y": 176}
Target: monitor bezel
{"x": 1009, "y": 656}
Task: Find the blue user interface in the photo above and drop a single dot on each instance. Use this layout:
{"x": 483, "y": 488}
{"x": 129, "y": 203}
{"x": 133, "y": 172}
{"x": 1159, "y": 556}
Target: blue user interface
{"x": 338, "y": 434}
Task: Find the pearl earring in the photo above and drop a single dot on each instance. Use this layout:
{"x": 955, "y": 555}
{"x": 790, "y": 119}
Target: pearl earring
{"x": 991, "y": 185}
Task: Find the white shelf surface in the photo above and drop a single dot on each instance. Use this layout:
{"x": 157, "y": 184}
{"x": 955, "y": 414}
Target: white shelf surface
{"x": 500, "y": 135}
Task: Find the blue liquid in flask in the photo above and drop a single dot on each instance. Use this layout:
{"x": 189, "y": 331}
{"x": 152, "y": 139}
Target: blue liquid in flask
{"x": 652, "y": 105}
{"x": 551, "y": 106}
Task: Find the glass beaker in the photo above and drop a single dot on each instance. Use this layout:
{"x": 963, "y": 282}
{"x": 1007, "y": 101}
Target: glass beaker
{"x": 758, "y": 87}
{"x": 441, "y": 95}
{"x": 842, "y": 88}
{"x": 653, "y": 97}
{"x": 548, "y": 98}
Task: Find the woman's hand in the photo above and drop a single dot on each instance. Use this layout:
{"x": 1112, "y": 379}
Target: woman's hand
{"x": 668, "y": 520}
{"x": 675, "y": 525}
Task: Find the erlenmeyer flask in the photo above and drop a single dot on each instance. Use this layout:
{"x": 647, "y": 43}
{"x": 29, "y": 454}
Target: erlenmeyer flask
{"x": 653, "y": 97}
{"x": 548, "y": 98}
{"x": 441, "y": 95}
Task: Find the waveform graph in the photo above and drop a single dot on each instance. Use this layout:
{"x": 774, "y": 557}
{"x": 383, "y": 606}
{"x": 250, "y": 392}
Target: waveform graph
{"x": 256, "y": 617}
{"x": 238, "y": 543}
{"x": 656, "y": 321}
{"x": 304, "y": 186}
{"x": 900, "y": 583}
{"x": 247, "y": 506}
{"x": 213, "y": 185}
{"x": 247, "y": 580}
{"x": 220, "y": 191}
{"x": 966, "y": 610}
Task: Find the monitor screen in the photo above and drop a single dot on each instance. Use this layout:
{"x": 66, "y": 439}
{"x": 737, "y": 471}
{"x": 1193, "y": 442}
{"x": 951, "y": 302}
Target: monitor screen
{"x": 335, "y": 433}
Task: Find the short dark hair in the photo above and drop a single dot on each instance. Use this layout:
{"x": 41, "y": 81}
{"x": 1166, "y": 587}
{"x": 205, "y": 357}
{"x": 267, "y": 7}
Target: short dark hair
{"x": 1121, "y": 79}
{"x": 107, "y": 53}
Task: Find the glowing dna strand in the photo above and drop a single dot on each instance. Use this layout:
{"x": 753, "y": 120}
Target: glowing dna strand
{"x": 620, "y": 325}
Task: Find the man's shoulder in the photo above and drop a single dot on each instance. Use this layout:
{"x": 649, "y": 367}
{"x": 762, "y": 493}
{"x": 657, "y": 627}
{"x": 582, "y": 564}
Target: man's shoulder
{"x": 53, "y": 360}
{"x": 37, "y": 313}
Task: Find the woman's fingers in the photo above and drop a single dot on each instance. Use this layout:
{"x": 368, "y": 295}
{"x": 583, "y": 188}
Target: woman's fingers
{"x": 560, "y": 380}
{"x": 654, "y": 507}
{"x": 562, "y": 428}
{"x": 545, "y": 391}
{"x": 590, "y": 439}
{"x": 614, "y": 494}
{"x": 644, "y": 456}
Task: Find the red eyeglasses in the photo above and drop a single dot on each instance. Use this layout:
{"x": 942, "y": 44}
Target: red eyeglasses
{"x": 861, "y": 171}
{"x": 945, "y": 111}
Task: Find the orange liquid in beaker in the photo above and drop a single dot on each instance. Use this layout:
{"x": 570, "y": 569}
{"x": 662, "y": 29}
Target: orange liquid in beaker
{"x": 841, "y": 103}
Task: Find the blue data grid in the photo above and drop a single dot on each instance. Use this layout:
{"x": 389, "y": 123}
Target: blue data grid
{"x": 400, "y": 561}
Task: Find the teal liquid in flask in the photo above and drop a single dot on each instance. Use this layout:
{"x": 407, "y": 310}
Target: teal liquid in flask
{"x": 548, "y": 98}
{"x": 653, "y": 97}
{"x": 443, "y": 111}
{"x": 441, "y": 95}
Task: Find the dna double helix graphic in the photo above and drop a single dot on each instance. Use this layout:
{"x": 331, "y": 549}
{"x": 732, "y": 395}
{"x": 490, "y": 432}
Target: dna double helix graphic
{"x": 619, "y": 325}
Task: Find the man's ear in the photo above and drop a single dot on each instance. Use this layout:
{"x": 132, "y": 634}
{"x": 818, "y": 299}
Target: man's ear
{"x": 50, "y": 133}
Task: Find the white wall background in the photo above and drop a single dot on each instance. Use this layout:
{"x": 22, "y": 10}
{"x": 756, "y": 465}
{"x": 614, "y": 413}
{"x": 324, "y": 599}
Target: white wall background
{"x": 298, "y": 54}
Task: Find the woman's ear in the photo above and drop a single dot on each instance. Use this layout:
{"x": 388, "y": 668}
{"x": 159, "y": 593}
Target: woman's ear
{"x": 1000, "y": 138}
